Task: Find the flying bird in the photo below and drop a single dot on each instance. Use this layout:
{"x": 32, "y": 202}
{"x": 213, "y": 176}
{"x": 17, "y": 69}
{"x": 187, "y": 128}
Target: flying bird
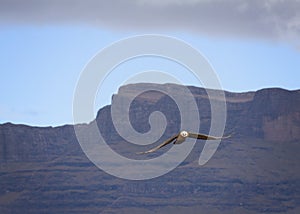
{"x": 180, "y": 138}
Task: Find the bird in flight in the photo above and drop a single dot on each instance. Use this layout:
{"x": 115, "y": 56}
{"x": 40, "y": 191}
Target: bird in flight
{"x": 180, "y": 138}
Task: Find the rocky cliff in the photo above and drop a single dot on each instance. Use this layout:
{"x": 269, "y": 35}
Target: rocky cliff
{"x": 43, "y": 170}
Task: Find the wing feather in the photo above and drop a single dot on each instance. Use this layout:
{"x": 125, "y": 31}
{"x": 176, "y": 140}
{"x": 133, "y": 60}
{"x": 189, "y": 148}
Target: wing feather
{"x": 168, "y": 141}
{"x": 206, "y": 137}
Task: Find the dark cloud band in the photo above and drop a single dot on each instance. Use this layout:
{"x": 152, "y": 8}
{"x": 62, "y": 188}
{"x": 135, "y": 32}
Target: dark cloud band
{"x": 269, "y": 19}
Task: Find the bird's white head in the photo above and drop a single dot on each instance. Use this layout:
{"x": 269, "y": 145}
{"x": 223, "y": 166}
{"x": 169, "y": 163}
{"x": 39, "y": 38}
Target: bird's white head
{"x": 184, "y": 133}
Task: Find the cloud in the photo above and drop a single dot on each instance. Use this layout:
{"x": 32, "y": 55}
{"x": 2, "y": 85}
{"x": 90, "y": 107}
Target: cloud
{"x": 268, "y": 19}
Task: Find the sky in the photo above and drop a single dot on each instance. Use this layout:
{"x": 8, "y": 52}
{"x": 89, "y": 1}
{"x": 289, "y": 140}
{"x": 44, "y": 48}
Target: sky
{"x": 45, "y": 45}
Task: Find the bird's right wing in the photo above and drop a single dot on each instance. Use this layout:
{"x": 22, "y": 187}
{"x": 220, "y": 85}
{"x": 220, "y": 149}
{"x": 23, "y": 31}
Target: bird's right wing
{"x": 168, "y": 141}
{"x": 206, "y": 137}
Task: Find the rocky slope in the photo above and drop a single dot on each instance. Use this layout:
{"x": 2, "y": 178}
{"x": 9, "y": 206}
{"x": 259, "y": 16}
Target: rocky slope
{"x": 43, "y": 170}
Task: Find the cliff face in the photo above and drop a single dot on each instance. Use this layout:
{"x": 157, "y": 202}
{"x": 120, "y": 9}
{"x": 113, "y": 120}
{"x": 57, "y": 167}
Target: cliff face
{"x": 43, "y": 170}
{"x": 268, "y": 114}
{"x": 33, "y": 144}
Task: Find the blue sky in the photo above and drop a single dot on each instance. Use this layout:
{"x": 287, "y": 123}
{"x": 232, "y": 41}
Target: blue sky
{"x": 41, "y": 61}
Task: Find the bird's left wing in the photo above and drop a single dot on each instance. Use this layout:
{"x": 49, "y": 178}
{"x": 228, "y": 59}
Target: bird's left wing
{"x": 206, "y": 137}
{"x": 168, "y": 141}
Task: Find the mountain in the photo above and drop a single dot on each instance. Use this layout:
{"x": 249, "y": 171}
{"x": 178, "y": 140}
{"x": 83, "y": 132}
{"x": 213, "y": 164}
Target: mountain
{"x": 44, "y": 170}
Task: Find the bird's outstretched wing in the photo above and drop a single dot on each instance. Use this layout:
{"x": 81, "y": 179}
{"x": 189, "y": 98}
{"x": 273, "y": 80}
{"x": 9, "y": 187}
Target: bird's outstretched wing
{"x": 168, "y": 141}
{"x": 206, "y": 137}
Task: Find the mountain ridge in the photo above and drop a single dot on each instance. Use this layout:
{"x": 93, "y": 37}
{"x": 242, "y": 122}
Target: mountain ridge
{"x": 44, "y": 170}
